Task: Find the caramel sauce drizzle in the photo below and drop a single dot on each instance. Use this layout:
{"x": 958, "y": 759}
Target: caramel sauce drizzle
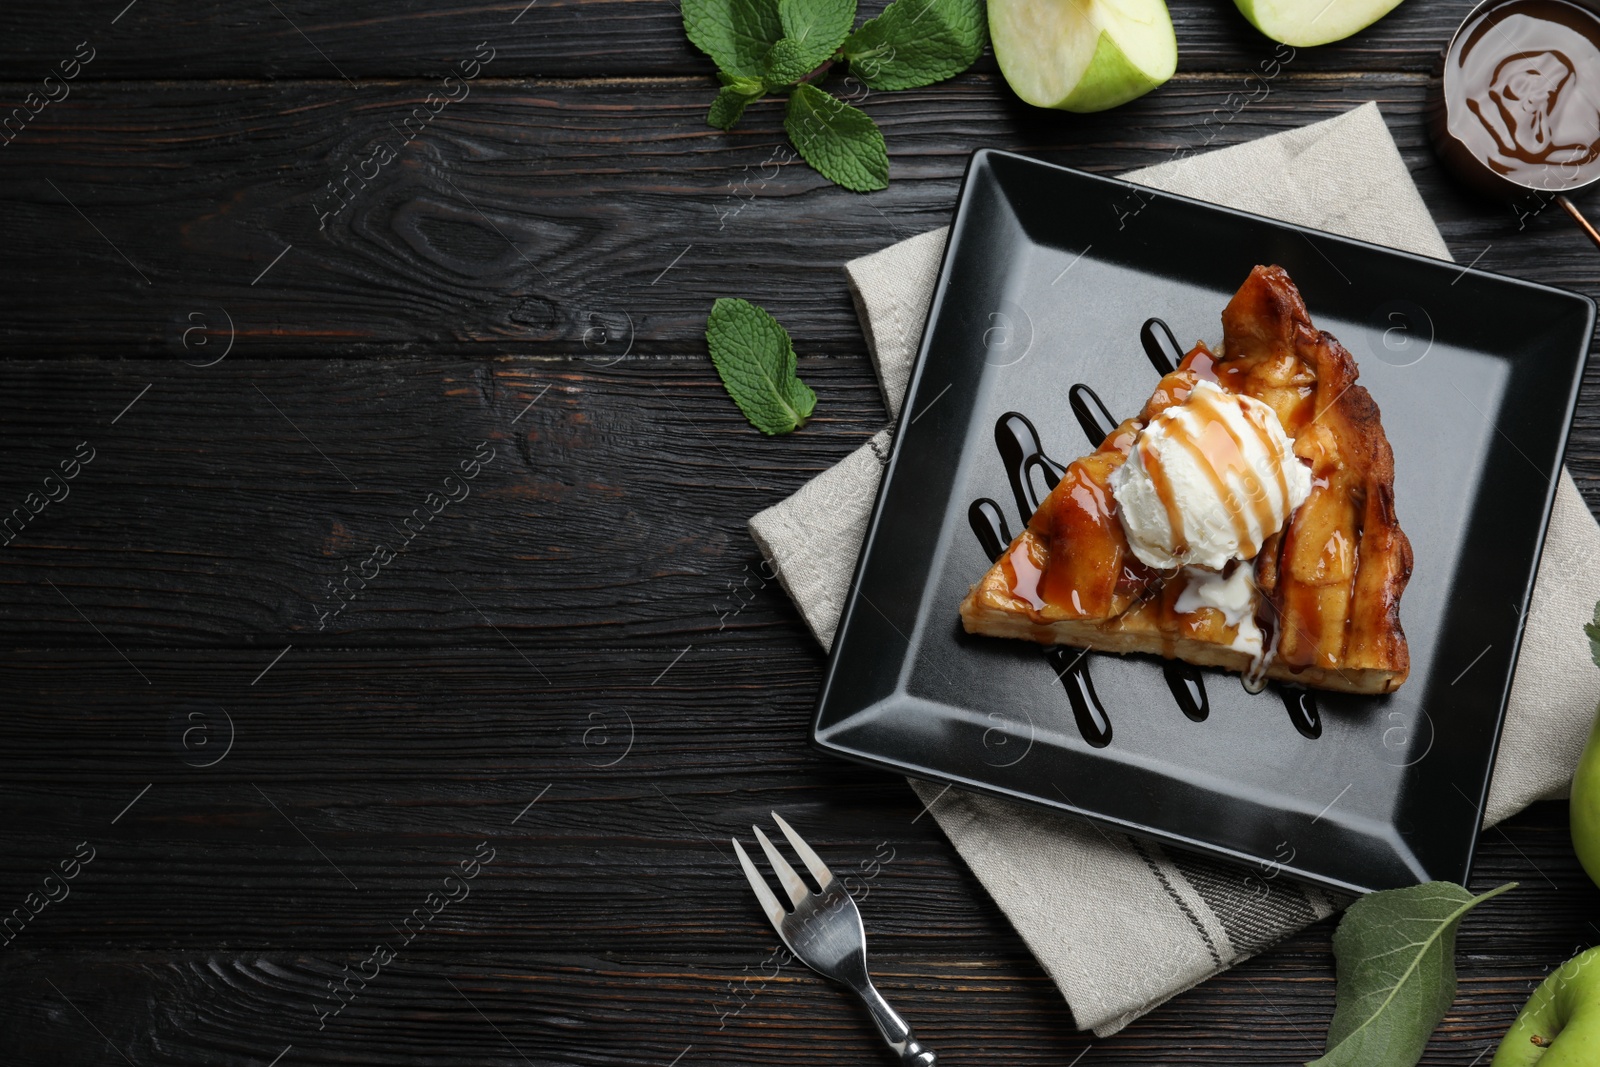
{"x": 1207, "y": 366}
{"x": 1023, "y": 575}
{"x": 1219, "y": 452}
{"x": 1281, "y": 457}
{"x": 1081, "y": 513}
{"x": 1163, "y": 488}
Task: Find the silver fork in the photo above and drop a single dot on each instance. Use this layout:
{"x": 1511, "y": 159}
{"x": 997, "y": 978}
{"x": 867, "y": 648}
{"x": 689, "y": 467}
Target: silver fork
{"x": 825, "y": 933}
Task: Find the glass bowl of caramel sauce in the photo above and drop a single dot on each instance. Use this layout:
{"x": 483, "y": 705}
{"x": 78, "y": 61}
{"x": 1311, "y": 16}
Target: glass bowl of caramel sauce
{"x": 1514, "y": 109}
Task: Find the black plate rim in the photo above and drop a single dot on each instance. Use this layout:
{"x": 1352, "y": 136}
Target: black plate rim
{"x": 1099, "y": 819}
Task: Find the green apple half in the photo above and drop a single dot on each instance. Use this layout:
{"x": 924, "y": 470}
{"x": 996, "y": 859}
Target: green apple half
{"x": 1082, "y": 55}
{"x": 1560, "y": 1025}
{"x": 1307, "y": 23}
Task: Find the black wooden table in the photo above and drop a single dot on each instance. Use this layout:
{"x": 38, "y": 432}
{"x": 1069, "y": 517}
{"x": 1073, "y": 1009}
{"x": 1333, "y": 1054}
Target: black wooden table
{"x": 574, "y": 684}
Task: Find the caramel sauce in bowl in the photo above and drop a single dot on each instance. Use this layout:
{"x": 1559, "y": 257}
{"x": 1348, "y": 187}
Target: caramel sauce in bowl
{"x": 1515, "y": 108}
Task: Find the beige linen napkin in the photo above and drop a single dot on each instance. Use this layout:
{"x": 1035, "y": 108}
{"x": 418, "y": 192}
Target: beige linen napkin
{"x": 1122, "y": 924}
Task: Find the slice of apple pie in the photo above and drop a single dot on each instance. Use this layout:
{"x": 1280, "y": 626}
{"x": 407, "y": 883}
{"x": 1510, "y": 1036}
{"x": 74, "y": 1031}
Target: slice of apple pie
{"x": 1244, "y": 519}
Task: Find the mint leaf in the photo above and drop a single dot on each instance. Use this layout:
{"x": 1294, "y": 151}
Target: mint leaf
{"x": 734, "y": 33}
{"x": 1397, "y": 973}
{"x": 787, "y": 62}
{"x": 1593, "y": 630}
{"x": 730, "y": 103}
{"x": 817, "y": 27}
{"x": 755, "y": 360}
{"x": 842, "y": 143}
{"x": 917, "y": 42}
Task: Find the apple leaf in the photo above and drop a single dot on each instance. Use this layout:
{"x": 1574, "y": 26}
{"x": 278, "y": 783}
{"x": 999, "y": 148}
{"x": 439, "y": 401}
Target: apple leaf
{"x": 917, "y": 42}
{"x": 842, "y": 143}
{"x": 1593, "y": 630}
{"x": 755, "y": 360}
{"x": 1396, "y": 972}
{"x": 736, "y": 34}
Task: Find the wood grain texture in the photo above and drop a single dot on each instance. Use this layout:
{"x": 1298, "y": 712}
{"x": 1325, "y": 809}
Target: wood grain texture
{"x": 579, "y": 662}
{"x": 225, "y": 504}
{"x": 166, "y": 39}
{"x": 597, "y": 219}
{"x": 609, "y": 925}
{"x": 637, "y": 768}
{"x": 638, "y": 1007}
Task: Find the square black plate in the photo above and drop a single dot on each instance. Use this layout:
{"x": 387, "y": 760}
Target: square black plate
{"x": 1046, "y": 282}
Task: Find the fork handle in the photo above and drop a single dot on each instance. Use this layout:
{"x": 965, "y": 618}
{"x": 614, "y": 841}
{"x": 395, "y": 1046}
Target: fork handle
{"x": 894, "y": 1029}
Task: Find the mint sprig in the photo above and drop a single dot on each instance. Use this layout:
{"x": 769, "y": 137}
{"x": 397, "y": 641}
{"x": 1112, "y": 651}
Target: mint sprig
{"x": 788, "y": 46}
{"x": 755, "y": 360}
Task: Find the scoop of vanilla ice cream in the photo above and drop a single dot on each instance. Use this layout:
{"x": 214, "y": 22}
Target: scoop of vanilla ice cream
{"x": 1208, "y": 480}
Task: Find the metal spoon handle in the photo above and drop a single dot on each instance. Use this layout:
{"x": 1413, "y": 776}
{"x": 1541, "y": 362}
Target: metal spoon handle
{"x": 893, "y": 1028}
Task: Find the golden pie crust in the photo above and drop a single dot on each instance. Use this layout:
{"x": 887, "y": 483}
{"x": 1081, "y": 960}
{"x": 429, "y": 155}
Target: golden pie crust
{"x": 1329, "y": 583}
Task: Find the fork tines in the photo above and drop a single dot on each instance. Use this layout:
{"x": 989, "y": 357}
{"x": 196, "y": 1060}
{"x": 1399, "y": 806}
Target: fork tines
{"x": 792, "y": 882}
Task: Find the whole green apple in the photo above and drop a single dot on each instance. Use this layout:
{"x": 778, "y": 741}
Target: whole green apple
{"x": 1560, "y": 1024}
{"x": 1585, "y": 810}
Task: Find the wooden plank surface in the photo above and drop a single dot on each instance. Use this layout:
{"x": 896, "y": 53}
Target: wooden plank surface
{"x": 637, "y": 775}
{"x": 632, "y": 1006}
{"x": 609, "y": 923}
{"x": 162, "y": 40}
{"x": 610, "y": 510}
{"x": 578, "y": 662}
{"x": 598, "y": 219}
